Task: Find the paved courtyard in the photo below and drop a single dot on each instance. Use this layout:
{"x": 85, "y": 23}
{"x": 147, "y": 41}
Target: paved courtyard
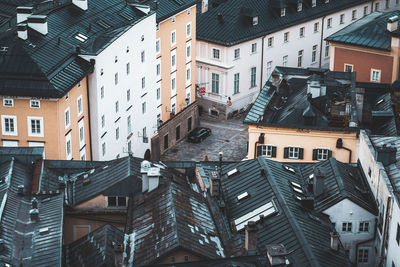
{"x": 228, "y": 136}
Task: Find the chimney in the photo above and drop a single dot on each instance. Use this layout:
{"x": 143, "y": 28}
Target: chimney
{"x": 153, "y": 176}
{"x": 38, "y": 23}
{"x": 34, "y": 203}
{"x": 335, "y": 240}
{"x": 23, "y": 12}
{"x": 219, "y": 17}
{"x": 82, "y": 4}
{"x": 392, "y": 23}
{"x": 307, "y": 202}
{"x": 250, "y": 242}
{"x": 144, "y": 168}
{"x": 386, "y": 154}
{"x": 319, "y": 182}
{"x": 22, "y": 30}
{"x": 215, "y": 183}
{"x": 276, "y": 255}
{"x": 34, "y": 214}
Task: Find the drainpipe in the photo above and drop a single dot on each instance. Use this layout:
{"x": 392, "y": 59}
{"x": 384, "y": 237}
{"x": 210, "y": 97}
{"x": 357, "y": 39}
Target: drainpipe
{"x": 322, "y": 40}
{"x": 262, "y": 61}
{"x": 88, "y": 107}
{"x": 385, "y": 230}
{"x": 255, "y": 149}
{"x": 368, "y": 240}
{"x": 339, "y": 144}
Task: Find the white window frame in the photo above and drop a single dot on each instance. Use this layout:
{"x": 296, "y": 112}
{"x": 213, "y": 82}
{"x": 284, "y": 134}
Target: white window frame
{"x": 269, "y": 68}
{"x": 158, "y": 46}
{"x": 10, "y": 100}
{"x": 188, "y": 27}
{"x": 302, "y": 32}
{"x": 354, "y": 14}
{"x": 270, "y": 41}
{"x": 322, "y": 153}
{"x": 81, "y": 135}
{"x": 79, "y": 107}
{"x": 188, "y": 77}
{"x": 286, "y": 37}
{"x": 68, "y": 140}
{"x": 215, "y": 80}
{"x": 348, "y": 65}
{"x": 236, "y": 53}
{"x": 266, "y": 150}
{"x": 341, "y": 19}
{"x": 372, "y": 75}
{"x": 293, "y": 152}
{"x": 67, "y": 119}
{"x": 213, "y": 53}
{"x": 285, "y": 60}
{"x": 236, "y": 83}
{"x": 188, "y": 48}
{"x": 254, "y": 48}
{"x": 329, "y": 23}
{"x": 173, "y": 60}
{"x": 316, "y": 27}
{"x": 253, "y": 77}
{"x": 173, "y": 83}
{"x": 314, "y": 53}
{"x": 30, "y": 133}
{"x": 173, "y": 37}
{"x": 32, "y": 103}
{"x": 3, "y": 125}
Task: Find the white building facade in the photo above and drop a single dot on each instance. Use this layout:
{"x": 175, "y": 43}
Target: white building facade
{"x": 122, "y": 93}
{"x": 233, "y": 75}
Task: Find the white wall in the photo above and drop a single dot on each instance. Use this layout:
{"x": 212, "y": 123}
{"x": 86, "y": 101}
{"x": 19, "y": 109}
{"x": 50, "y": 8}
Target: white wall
{"x": 106, "y": 61}
{"x": 348, "y": 211}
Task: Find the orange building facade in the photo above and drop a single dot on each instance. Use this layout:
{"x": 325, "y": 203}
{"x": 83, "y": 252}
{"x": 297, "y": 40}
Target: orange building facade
{"x": 61, "y": 125}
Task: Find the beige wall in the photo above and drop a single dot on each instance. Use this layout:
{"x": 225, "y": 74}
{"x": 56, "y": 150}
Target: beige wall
{"x": 307, "y": 139}
{"x": 98, "y": 202}
{"x": 179, "y": 256}
{"x": 164, "y": 34}
{"x": 52, "y": 112}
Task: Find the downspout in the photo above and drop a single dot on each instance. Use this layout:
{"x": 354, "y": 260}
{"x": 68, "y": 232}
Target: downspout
{"x": 262, "y": 61}
{"x": 339, "y": 144}
{"x": 368, "y": 240}
{"x": 322, "y": 40}
{"x": 92, "y": 61}
{"x": 385, "y": 230}
{"x": 255, "y": 149}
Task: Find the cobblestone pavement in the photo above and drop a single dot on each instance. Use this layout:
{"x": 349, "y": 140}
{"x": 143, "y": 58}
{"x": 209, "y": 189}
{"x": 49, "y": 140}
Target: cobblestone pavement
{"x": 229, "y": 136}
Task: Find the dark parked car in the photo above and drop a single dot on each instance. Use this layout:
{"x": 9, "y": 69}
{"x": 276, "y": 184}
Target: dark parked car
{"x": 198, "y": 134}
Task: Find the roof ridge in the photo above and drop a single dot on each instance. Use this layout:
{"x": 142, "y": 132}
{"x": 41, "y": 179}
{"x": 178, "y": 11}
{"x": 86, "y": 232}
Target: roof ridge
{"x": 288, "y": 214}
{"x": 338, "y": 177}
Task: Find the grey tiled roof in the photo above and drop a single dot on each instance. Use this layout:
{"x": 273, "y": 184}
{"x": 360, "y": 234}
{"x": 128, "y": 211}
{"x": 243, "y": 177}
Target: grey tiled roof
{"x": 168, "y": 8}
{"x": 369, "y": 31}
{"x": 236, "y": 28}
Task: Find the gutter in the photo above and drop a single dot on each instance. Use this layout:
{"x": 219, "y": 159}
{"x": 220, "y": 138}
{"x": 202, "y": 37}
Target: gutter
{"x": 322, "y": 40}
{"x": 262, "y": 61}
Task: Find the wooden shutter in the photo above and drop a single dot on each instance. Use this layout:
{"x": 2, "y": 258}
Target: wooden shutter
{"x": 286, "y": 153}
{"x": 315, "y": 154}
{"x": 329, "y": 154}
{"x": 273, "y": 154}
{"x": 259, "y": 151}
{"x": 301, "y": 153}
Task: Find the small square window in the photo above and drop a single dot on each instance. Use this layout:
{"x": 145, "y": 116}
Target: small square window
{"x": 329, "y": 23}
{"x": 173, "y": 19}
{"x": 375, "y": 75}
{"x": 254, "y": 48}
{"x": 237, "y": 53}
{"x": 255, "y": 20}
{"x": 354, "y": 15}
{"x": 35, "y": 125}
{"x": 9, "y": 125}
{"x": 8, "y": 102}
{"x": 270, "y": 41}
{"x": 316, "y": 26}
{"x": 301, "y": 33}
{"x": 35, "y": 103}
{"x": 216, "y": 53}
{"x": 348, "y": 68}
{"x": 188, "y": 11}
{"x": 362, "y": 255}
{"x": 341, "y": 18}
{"x": 346, "y": 227}
{"x": 364, "y": 227}
{"x": 294, "y": 152}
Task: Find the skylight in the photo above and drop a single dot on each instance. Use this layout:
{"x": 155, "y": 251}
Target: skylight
{"x": 255, "y": 215}
{"x": 242, "y": 196}
{"x": 297, "y": 190}
{"x": 380, "y": 101}
{"x": 103, "y": 24}
{"x": 232, "y": 172}
{"x": 311, "y": 176}
{"x": 295, "y": 184}
{"x": 289, "y": 169}
{"x": 81, "y": 37}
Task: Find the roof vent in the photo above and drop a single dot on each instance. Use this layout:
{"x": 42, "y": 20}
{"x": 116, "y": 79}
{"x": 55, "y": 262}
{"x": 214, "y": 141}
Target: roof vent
{"x": 277, "y": 255}
{"x": 392, "y": 23}
{"x": 82, "y": 4}
{"x": 38, "y": 23}
{"x": 34, "y": 214}
{"x": 23, "y": 12}
{"x": 21, "y": 189}
{"x": 34, "y": 203}
{"x": 22, "y": 30}
{"x": 44, "y": 230}
{"x": 386, "y": 154}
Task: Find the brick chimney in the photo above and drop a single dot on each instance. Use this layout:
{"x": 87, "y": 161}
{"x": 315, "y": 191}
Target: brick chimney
{"x": 23, "y": 12}
{"x": 392, "y": 23}
{"x": 38, "y": 23}
{"x": 386, "y": 154}
{"x": 250, "y": 242}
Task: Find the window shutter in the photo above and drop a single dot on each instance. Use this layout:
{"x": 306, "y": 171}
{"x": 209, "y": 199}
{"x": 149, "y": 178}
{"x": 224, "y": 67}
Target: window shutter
{"x": 315, "y": 154}
{"x": 329, "y": 154}
{"x": 301, "y": 153}
{"x": 273, "y": 155}
{"x": 259, "y": 151}
{"x": 285, "y": 152}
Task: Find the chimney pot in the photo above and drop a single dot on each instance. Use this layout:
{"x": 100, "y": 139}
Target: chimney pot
{"x": 392, "y": 23}
{"x": 144, "y": 168}
{"x": 250, "y": 243}
{"x": 276, "y": 255}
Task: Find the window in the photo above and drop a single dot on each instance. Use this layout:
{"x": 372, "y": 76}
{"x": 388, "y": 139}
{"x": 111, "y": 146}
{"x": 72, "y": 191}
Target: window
{"x": 103, "y": 121}
{"x": 269, "y": 68}
{"x": 300, "y": 58}
{"x": 159, "y": 120}
{"x": 67, "y": 120}
{"x": 173, "y": 108}
{"x": 188, "y": 29}
{"x": 101, "y": 72}
{"x": 216, "y": 53}
{"x": 8, "y": 102}
{"x": 188, "y": 12}
{"x": 187, "y": 75}
{"x": 270, "y": 41}
{"x": 314, "y": 53}
{"x": 116, "y": 78}
{"x": 178, "y": 133}
{"x": 341, "y": 18}
{"x": 363, "y": 255}
{"x": 116, "y": 106}
{"x": 143, "y": 82}
{"x": 129, "y": 125}
{"x": 35, "y": 103}
{"x": 375, "y": 75}
{"x": 301, "y": 33}
{"x": 387, "y": 4}
{"x": 284, "y": 60}
{"x": 365, "y": 10}
{"x": 268, "y": 151}
{"x": 364, "y": 227}
{"x": 237, "y": 53}
{"x": 102, "y": 92}
{"x": 142, "y": 56}
{"x": 236, "y": 83}
{"x": 255, "y": 20}
{"x": 166, "y": 141}
{"x": 68, "y": 146}
{"x": 313, "y": 3}
{"x": 103, "y": 149}
{"x": 158, "y": 69}
{"x": 173, "y": 83}
{"x": 354, "y": 14}
{"x": 128, "y": 95}
{"x": 398, "y": 234}
{"x": 327, "y": 49}
{"x": 254, "y": 48}
{"x": 66, "y": 96}
{"x": 158, "y": 48}
{"x": 79, "y": 105}
{"x": 144, "y": 132}
{"x": 215, "y": 83}
{"x": 286, "y": 37}
{"x": 158, "y": 91}
{"x": 81, "y": 133}
{"x": 346, "y": 227}
{"x": 129, "y": 146}
{"x": 316, "y": 26}
{"x": 128, "y": 68}
{"x": 294, "y": 152}
{"x": 299, "y": 7}
{"x": 188, "y": 54}
{"x": 283, "y": 12}
{"x": 348, "y": 67}
{"x": 329, "y": 23}
{"x": 377, "y": 6}
{"x": 143, "y": 107}
{"x": 189, "y": 125}
{"x": 173, "y": 38}
{"x": 173, "y": 60}
{"x": 321, "y": 154}
{"x": 35, "y": 125}
{"x": 173, "y": 19}
{"x": 9, "y": 125}
{"x": 116, "y": 201}
{"x": 253, "y": 77}
{"x": 127, "y": 49}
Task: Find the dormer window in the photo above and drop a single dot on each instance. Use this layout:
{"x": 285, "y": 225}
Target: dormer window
{"x": 299, "y": 7}
{"x": 314, "y": 3}
{"x": 283, "y": 12}
{"x": 255, "y": 20}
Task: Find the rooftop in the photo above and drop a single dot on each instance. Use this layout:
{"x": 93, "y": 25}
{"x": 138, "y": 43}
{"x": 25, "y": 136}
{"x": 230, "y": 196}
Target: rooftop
{"x": 167, "y": 8}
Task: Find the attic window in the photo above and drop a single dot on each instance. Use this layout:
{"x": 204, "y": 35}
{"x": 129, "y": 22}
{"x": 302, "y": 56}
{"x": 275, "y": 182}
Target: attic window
{"x": 299, "y": 7}
{"x": 81, "y": 37}
{"x": 295, "y": 185}
{"x": 289, "y": 169}
{"x": 103, "y": 24}
{"x": 255, "y": 20}
{"x": 283, "y": 12}
{"x": 242, "y": 196}
{"x": 380, "y": 101}
{"x": 261, "y": 212}
{"x": 314, "y": 3}
{"x": 311, "y": 176}
{"x": 297, "y": 190}
{"x": 232, "y": 172}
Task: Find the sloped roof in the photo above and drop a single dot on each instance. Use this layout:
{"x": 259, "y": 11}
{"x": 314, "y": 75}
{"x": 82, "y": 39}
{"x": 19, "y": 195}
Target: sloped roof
{"x": 236, "y": 28}
{"x": 167, "y": 8}
{"x": 95, "y": 249}
{"x": 369, "y": 31}
{"x": 172, "y": 217}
